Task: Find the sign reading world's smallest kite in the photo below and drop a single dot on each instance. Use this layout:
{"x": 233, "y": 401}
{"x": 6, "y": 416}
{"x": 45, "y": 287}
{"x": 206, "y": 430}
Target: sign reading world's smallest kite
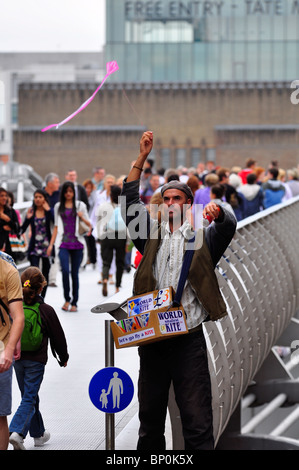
{"x": 111, "y": 390}
{"x": 111, "y": 67}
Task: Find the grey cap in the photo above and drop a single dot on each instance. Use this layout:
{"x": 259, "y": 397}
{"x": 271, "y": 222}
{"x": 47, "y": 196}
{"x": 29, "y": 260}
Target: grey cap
{"x": 180, "y": 186}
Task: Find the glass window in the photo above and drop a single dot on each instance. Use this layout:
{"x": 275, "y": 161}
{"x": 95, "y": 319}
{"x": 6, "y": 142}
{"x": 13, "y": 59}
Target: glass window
{"x": 292, "y": 60}
{"x": 252, "y": 28}
{"x": 212, "y": 61}
{"x": 239, "y": 62}
{"x": 158, "y": 65}
{"x": 132, "y": 59}
{"x": 203, "y": 41}
{"x": 278, "y": 57}
{"x": 278, "y": 28}
{"x": 115, "y": 24}
{"x": 145, "y": 58}
{"x": 200, "y": 61}
{"x": 266, "y": 28}
{"x": 199, "y": 30}
{"x": 210, "y": 154}
{"x": 265, "y": 51}
{"x": 165, "y": 158}
{"x": 186, "y": 62}
{"x": 171, "y": 62}
{"x": 14, "y": 113}
{"x": 292, "y": 28}
{"x": 158, "y": 31}
{"x": 180, "y": 157}
{"x": 239, "y": 28}
{"x": 225, "y": 61}
{"x": 195, "y": 156}
{"x": 252, "y": 60}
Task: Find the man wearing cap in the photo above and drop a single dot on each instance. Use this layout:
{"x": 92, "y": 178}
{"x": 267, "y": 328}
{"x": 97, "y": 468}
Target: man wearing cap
{"x": 183, "y": 359}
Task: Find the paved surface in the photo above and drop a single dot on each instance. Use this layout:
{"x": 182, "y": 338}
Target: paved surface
{"x": 68, "y": 413}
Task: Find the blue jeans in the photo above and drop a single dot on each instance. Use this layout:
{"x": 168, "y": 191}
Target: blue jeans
{"x": 5, "y": 395}
{"x": 75, "y": 256}
{"x": 27, "y": 417}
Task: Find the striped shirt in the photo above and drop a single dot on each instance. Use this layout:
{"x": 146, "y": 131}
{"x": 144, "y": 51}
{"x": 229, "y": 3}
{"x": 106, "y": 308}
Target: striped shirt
{"x": 167, "y": 270}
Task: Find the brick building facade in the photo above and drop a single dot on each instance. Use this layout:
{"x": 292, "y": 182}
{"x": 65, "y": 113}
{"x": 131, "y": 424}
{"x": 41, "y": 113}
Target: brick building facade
{"x": 228, "y": 121}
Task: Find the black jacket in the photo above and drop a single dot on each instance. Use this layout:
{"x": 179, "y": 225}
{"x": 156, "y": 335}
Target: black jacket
{"x": 13, "y": 224}
{"x": 217, "y": 235}
{"x": 30, "y": 221}
{"x": 53, "y": 332}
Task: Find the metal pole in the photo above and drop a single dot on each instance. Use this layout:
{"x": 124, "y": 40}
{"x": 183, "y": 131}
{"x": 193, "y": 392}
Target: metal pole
{"x": 286, "y": 423}
{"x": 109, "y": 362}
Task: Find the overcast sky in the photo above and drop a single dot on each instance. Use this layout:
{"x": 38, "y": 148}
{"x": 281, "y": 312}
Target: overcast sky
{"x": 52, "y": 25}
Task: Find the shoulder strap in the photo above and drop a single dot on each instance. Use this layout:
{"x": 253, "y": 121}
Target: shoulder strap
{"x": 1, "y": 314}
{"x": 4, "y": 306}
{"x": 184, "y": 273}
{"x": 34, "y": 308}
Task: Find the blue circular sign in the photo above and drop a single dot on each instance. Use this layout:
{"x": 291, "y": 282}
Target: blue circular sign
{"x": 111, "y": 390}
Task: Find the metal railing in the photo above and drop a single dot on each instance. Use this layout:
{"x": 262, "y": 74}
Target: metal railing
{"x": 258, "y": 276}
{"x": 20, "y": 179}
{"x": 259, "y": 279}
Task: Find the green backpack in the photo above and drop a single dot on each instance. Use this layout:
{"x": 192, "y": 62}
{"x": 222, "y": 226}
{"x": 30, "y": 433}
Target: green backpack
{"x": 32, "y": 335}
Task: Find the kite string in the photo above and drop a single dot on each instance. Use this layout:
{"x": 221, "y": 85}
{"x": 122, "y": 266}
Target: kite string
{"x": 132, "y": 107}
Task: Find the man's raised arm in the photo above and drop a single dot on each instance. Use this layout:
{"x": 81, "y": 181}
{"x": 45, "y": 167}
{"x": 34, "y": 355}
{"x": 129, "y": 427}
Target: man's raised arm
{"x": 146, "y": 145}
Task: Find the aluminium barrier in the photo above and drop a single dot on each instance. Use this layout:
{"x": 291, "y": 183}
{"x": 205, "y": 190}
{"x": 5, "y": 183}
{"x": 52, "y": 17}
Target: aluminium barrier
{"x": 259, "y": 280}
{"x": 20, "y": 179}
{"x": 258, "y": 277}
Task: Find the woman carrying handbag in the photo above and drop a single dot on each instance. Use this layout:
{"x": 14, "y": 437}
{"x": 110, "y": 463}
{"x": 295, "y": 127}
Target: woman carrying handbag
{"x": 39, "y": 217}
{"x": 9, "y": 223}
{"x": 69, "y": 241}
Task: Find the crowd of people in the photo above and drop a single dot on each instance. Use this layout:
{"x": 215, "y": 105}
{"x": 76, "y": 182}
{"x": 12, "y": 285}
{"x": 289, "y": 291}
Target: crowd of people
{"x": 50, "y": 233}
{"x": 71, "y": 225}
{"x": 245, "y": 190}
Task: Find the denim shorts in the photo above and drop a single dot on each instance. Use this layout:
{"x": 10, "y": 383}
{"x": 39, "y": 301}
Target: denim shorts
{"x": 6, "y": 390}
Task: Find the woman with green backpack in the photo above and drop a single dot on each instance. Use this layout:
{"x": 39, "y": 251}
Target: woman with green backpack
{"x": 41, "y": 326}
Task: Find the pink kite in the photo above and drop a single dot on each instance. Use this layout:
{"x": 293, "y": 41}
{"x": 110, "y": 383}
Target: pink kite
{"x": 111, "y": 67}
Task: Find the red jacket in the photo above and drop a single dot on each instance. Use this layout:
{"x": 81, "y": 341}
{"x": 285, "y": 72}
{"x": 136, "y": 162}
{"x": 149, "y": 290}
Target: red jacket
{"x": 243, "y": 174}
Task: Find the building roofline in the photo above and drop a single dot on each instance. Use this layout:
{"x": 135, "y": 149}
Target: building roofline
{"x": 84, "y": 129}
{"x": 257, "y": 127}
{"x": 246, "y": 85}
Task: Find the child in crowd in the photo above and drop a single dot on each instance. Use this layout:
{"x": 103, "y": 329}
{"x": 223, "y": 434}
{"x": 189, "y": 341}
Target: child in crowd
{"x": 30, "y": 367}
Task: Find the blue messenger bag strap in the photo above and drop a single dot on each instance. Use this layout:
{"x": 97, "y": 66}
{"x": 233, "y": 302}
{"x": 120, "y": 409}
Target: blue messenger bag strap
{"x": 184, "y": 273}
